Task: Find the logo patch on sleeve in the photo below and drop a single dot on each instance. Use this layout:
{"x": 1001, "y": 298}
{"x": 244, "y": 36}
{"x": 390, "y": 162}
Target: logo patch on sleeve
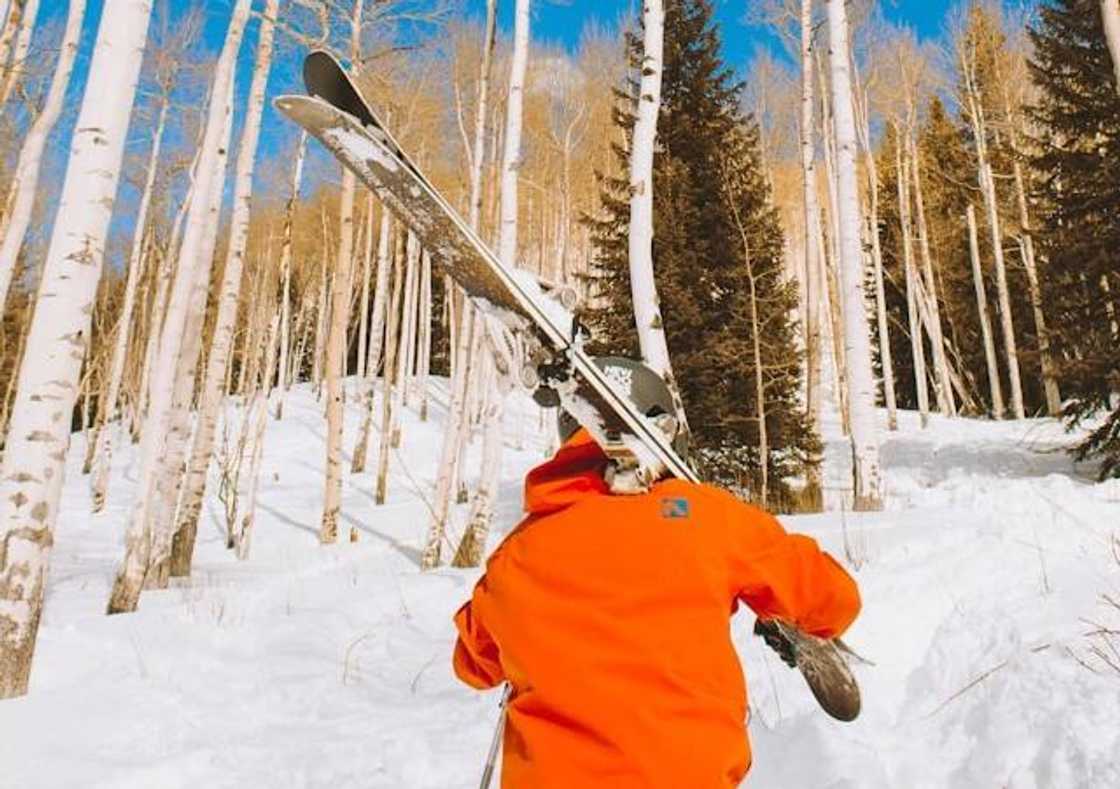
{"x": 674, "y": 508}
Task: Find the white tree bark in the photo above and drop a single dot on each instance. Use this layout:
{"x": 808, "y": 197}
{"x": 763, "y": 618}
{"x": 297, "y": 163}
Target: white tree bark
{"x": 228, "y": 298}
{"x": 867, "y": 482}
{"x": 21, "y": 192}
{"x": 995, "y": 387}
{"x": 363, "y": 303}
{"x": 643, "y": 287}
{"x": 1026, "y": 242}
{"x": 286, "y": 275}
{"x": 19, "y": 55}
{"x": 256, "y": 416}
{"x": 156, "y": 475}
{"x": 376, "y": 343}
{"x": 917, "y": 347}
{"x": 1110, "y": 15}
{"x": 885, "y": 359}
{"x": 479, "y": 153}
{"x": 945, "y": 402}
{"x": 392, "y": 321}
{"x": 812, "y": 274}
{"x": 39, "y": 432}
{"x": 340, "y": 320}
{"x": 511, "y": 156}
{"x": 99, "y": 482}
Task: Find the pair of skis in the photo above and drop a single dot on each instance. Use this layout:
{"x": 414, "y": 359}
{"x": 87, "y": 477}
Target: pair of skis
{"x": 337, "y": 115}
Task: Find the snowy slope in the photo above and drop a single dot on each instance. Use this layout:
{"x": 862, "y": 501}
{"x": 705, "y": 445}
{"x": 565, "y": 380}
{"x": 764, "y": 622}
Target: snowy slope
{"x": 311, "y": 666}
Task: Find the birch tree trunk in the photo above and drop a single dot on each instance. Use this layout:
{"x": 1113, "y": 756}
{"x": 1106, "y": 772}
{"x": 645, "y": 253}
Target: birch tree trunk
{"x": 376, "y": 343}
{"x": 1026, "y": 242}
{"x": 157, "y": 477}
{"x": 363, "y": 303}
{"x": 917, "y": 346}
{"x": 340, "y": 320}
{"x": 1007, "y": 323}
{"x": 256, "y": 415}
{"x": 103, "y": 442}
{"x": 19, "y": 55}
{"x": 511, "y": 156}
{"x": 812, "y": 218}
{"x": 229, "y": 295}
{"x": 392, "y": 320}
{"x": 991, "y": 203}
{"x": 286, "y": 274}
{"x": 945, "y": 402}
{"x": 479, "y": 153}
{"x": 473, "y": 544}
{"x": 463, "y": 358}
{"x": 407, "y": 320}
{"x": 867, "y": 484}
{"x": 994, "y": 386}
{"x": 25, "y": 182}
{"x": 1110, "y": 14}
{"x": 39, "y": 432}
{"x": 455, "y": 438}
{"x": 885, "y": 359}
{"x": 643, "y": 287}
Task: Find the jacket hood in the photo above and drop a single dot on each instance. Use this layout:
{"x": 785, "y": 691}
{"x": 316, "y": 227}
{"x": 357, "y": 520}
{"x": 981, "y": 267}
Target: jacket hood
{"x": 575, "y": 472}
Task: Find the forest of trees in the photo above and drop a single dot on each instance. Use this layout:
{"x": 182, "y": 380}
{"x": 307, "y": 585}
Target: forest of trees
{"x": 915, "y": 224}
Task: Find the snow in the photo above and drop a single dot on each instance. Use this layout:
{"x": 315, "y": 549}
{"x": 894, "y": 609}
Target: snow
{"x": 310, "y": 666}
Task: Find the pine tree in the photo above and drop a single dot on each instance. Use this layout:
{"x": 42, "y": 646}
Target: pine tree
{"x": 1078, "y": 114}
{"x": 707, "y": 173}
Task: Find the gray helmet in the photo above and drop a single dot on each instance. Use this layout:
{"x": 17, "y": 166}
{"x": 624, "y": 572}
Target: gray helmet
{"x": 646, "y": 389}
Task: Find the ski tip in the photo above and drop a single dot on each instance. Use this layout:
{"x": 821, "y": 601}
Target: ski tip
{"x": 318, "y": 63}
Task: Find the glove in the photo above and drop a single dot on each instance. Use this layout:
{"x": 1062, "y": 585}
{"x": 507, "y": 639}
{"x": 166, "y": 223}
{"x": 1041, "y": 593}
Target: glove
{"x": 774, "y": 639}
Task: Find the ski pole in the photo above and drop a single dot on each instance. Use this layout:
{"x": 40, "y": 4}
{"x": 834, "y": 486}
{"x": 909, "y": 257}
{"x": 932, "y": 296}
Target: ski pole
{"x": 488, "y": 770}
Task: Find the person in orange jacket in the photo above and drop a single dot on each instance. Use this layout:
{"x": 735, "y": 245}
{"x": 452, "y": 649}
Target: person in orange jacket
{"x": 607, "y": 611}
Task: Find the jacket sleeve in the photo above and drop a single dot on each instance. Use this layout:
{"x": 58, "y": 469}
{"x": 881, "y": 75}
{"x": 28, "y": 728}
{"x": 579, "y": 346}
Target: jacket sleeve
{"x": 476, "y": 659}
{"x": 787, "y": 576}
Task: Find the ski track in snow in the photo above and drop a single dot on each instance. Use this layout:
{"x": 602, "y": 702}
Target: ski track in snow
{"x": 311, "y": 666}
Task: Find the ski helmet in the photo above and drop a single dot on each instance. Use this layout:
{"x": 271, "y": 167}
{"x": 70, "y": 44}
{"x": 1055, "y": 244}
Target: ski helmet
{"x": 645, "y": 388}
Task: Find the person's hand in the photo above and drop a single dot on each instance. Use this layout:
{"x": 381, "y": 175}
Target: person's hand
{"x": 774, "y": 639}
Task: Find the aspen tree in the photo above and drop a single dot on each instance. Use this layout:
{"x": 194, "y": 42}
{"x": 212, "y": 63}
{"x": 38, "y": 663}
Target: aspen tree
{"x": 867, "y": 483}
{"x": 945, "y": 402}
{"x": 387, "y": 392}
{"x": 511, "y": 156}
{"x": 376, "y": 343}
{"x": 968, "y": 56}
{"x": 363, "y": 305}
{"x": 464, "y": 361}
{"x": 917, "y": 345}
{"x": 157, "y": 477}
{"x": 16, "y": 215}
{"x": 286, "y": 273}
{"x": 38, "y": 438}
{"x": 995, "y": 388}
{"x": 812, "y": 218}
{"x": 19, "y": 54}
{"x": 102, "y": 452}
{"x": 218, "y": 360}
{"x": 643, "y": 288}
{"x": 863, "y": 129}
{"x": 340, "y": 319}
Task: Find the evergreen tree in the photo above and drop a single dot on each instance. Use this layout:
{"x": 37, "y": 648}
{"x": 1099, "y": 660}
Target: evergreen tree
{"x": 1078, "y": 114}
{"x": 707, "y": 180}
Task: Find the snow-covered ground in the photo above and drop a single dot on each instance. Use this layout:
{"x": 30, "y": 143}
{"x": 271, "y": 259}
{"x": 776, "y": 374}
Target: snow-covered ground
{"x": 330, "y": 666}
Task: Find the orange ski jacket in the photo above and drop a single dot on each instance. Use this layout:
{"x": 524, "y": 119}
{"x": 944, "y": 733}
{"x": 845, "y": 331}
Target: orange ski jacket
{"x": 609, "y": 616}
